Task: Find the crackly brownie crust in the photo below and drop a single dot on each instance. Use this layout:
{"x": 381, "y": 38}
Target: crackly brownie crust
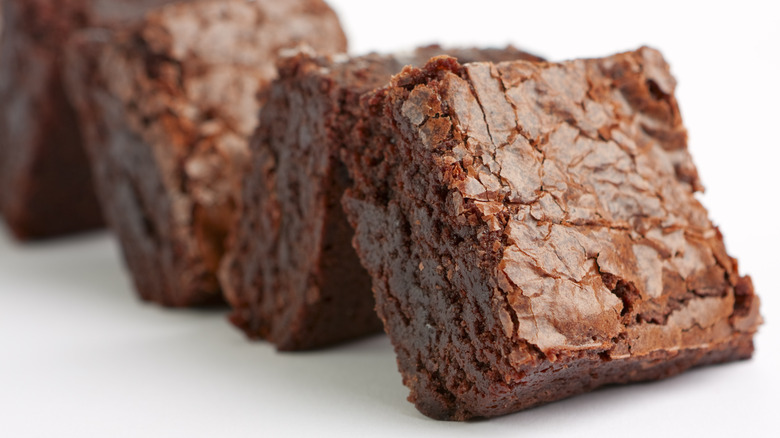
{"x": 532, "y": 233}
{"x": 167, "y": 105}
{"x": 293, "y": 277}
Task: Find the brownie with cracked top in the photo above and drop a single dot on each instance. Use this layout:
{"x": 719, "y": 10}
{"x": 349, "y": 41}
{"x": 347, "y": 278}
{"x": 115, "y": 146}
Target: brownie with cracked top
{"x": 167, "y": 105}
{"x": 292, "y": 276}
{"x": 532, "y": 233}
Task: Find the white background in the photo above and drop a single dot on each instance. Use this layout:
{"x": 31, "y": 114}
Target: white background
{"x": 81, "y": 357}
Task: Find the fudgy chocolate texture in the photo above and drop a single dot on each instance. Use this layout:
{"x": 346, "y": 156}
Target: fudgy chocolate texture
{"x": 167, "y": 105}
{"x": 532, "y": 233}
{"x": 292, "y": 276}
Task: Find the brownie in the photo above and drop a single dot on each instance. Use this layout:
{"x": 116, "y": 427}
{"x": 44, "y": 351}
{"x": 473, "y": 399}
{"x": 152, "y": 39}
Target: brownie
{"x": 167, "y": 104}
{"x": 532, "y": 233}
{"x": 292, "y": 276}
{"x": 45, "y": 182}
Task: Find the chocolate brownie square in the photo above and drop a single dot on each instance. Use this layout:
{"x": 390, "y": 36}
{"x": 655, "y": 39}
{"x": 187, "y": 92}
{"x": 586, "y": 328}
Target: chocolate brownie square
{"x": 45, "y": 183}
{"x": 532, "y": 233}
{"x": 292, "y": 276}
{"x": 167, "y": 105}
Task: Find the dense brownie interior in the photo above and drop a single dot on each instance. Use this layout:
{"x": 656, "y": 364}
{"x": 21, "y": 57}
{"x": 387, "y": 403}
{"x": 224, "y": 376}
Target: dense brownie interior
{"x": 293, "y": 277}
{"x": 532, "y": 233}
{"x": 167, "y": 104}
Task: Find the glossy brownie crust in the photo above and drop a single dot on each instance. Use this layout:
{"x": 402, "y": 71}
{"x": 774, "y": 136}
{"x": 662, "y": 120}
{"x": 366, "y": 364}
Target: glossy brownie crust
{"x": 293, "y": 277}
{"x": 45, "y": 184}
{"x": 167, "y": 105}
{"x": 532, "y": 233}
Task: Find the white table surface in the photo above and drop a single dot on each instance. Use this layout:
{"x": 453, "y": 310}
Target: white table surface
{"x": 80, "y": 356}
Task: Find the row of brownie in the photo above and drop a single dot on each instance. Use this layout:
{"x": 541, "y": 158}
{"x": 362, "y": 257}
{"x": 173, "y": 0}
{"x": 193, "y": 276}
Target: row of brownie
{"x": 167, "y": 97}
{"x": 529, "y": 229}
{"x": 42, "y": 150}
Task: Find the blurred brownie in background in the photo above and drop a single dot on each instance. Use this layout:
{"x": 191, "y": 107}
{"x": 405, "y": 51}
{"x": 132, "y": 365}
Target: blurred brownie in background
{"x": 167, "y": 105}
{"x": 45, "y": 184}
{"x": 291, "y": 275}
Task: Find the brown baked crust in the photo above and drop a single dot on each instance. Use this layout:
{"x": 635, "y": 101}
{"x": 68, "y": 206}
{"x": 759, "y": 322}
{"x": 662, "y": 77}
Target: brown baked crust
{"x": 532, "y": 233}
{"x": 293, "y": 277}
{"x": 167, "y": 104}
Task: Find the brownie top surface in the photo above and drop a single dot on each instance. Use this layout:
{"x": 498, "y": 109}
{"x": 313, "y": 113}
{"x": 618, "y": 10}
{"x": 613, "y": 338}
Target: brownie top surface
{"x": 195, "y": 68}
{"x": 364, "y": 73}
{"x": 578, "y": 176}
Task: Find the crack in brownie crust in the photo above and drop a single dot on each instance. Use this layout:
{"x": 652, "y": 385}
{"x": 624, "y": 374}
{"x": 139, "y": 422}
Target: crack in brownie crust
{"x": 168, "y": 104}
{"x": 532, "y": 233}
{"x": 292, "y": 276}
